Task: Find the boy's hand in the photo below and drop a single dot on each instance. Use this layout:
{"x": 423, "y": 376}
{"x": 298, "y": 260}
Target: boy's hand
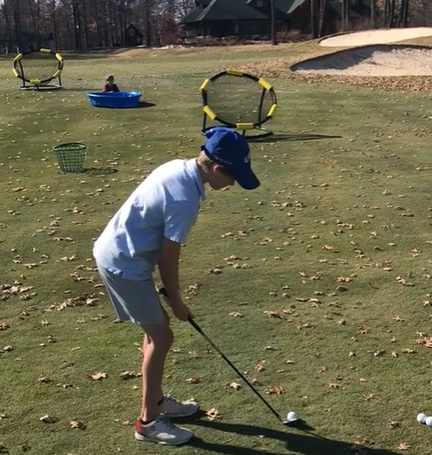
{"x": 181, "y": 311}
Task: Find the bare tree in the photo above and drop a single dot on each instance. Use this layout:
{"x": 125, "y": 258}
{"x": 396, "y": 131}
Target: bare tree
{"x": 403, "y": 13}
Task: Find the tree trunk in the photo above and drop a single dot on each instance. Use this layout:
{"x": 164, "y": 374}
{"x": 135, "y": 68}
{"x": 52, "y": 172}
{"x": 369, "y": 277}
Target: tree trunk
{"x": 273, "y": 23}
{"x": 313, "y": 20}
{"x": 77, "y": 24}
{"x": 389, "y": 12}
{"x": 403, "y": 13}
{"x": 323, "y": 7}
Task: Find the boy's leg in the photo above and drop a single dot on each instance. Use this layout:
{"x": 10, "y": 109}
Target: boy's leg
{"x": 139, "y": 302}
{"x": 157, "y": 341}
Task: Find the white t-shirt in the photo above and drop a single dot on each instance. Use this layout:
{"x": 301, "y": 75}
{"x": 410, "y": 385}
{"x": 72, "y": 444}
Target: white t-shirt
{"x": 164, "y": 205}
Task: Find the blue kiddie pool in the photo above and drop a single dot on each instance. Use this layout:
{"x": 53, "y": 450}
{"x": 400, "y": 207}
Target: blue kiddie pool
{"x": 114, "y": 100}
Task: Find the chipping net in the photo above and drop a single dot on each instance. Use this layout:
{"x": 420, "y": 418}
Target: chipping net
{"x": 38, "y": 69}
{"x": 237, "y": 100}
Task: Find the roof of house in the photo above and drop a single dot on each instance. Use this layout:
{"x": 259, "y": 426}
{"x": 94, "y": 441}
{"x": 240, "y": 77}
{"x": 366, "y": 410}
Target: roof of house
{"x": 224, "y": 10}
{"x": 213, "y": 10}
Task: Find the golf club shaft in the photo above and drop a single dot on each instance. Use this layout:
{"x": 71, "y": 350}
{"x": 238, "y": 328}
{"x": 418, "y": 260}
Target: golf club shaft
{"x": 198, "y": 329}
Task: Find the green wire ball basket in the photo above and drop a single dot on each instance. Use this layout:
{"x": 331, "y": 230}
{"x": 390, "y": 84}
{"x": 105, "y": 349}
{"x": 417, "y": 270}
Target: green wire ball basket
{"x": 70, "y": 156}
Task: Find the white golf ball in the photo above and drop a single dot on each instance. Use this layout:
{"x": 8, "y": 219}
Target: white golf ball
{"x": 428, "y": 421}
{"x": 421, "y": 418}
{"x": 291, "y": 416}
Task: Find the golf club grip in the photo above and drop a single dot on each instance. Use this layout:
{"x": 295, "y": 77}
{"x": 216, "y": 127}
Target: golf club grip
{"x": 198, "y": 329}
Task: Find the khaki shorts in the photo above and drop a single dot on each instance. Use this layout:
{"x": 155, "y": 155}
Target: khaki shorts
{"x": 133, "y": 300}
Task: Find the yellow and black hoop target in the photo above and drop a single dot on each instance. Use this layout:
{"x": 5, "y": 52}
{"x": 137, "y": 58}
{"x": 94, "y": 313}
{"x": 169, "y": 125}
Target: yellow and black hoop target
{"x": 37, "y": 69}
{"x": 238, "y": 100}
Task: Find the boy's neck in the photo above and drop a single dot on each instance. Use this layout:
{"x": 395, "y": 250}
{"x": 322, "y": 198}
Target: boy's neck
{"x": 202, "y": 173}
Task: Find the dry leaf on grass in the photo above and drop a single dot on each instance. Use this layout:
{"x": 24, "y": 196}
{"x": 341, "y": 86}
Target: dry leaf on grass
{"x": 129, "y": 375}
{"x": 272, "y": 314}
{"x": 394, "y": 424}
{"x": 235, "y": 385}
{"x": 48, "y": 419}
{"x": 274, "y": 391}
{"x": 98, "y": 375}
{"x": 425, "y": 341}
{"x": 74, "y": 302}
{"x": 403, "y": 446}
{"x": 122, "y": 422}
{"x": 213, "y": 414}
{"x": 77, "y": 424}
{"x": 193, "y": 380}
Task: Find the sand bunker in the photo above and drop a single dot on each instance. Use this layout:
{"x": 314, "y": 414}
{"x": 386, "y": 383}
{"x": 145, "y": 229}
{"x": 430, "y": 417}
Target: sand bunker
{"x": 390, "y": 60}
{"x": 376, "y": 37}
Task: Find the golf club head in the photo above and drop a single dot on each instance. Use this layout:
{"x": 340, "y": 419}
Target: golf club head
{"x": 299, "y": 424}
{"x": 291, "y": 423}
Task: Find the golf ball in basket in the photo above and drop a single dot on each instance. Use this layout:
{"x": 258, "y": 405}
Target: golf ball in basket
{"x": 428, "y": 421}
{"x": 421, "y": 418}
{"x": 291, "y": 416}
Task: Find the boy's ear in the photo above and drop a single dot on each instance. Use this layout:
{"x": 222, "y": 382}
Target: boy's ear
{"x": 217, "y": 168}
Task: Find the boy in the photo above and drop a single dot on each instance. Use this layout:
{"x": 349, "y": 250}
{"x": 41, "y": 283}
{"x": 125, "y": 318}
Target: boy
{"x": 147, "y": 231}
{"x": 110, "y": 85}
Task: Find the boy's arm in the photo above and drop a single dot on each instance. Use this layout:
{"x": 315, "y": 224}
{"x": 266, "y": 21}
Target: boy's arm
{"x": 168, "y": 265}
{"x": 179, "y": 216}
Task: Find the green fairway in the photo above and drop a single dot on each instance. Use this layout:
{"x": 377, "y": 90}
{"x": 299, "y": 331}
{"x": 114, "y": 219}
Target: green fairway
{"x": 316, "y": 285}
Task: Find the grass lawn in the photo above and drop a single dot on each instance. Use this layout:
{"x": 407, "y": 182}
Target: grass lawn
{"x": 317, "y": 284}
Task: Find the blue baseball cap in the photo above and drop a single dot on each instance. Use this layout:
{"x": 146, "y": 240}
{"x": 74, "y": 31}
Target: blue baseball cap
{"x": 229, "y": 149}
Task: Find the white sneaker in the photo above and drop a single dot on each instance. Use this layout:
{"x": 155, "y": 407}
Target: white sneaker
{"x": 162, "y": 431}
{"x": 171, "y": 407}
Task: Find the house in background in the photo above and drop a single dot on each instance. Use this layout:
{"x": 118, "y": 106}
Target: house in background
{"x": 132, "y": 36}
{"x": 249, "y": 18}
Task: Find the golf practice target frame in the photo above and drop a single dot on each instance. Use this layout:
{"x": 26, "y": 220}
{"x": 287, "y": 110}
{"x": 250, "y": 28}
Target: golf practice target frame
{"x": 38, "y": 83}
{"x": 238, "y": 100}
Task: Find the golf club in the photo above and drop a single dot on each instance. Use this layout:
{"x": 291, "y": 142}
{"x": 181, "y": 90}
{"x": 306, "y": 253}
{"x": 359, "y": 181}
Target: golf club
{"x": 290, "y": 422}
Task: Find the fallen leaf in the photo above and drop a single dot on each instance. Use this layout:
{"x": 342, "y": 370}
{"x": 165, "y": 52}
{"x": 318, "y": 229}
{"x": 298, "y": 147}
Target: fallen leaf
{"x": 394, "y": 424}
{"x": 77, "y": 424}
{"x": 213, "y": 414}
{"x": 274, "y": 390}
{"x": 235, "y": 385}
{"x": 98, "y": 375}
{"x": 193, "y": 380}
{"x": 48, "y": 419}
{"x": 272, "y": 314}
{"x": 129, "y": 375}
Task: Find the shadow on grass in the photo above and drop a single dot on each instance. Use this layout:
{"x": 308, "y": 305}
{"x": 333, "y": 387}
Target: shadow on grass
{"x": 143, "y": 104}
{"x": 140, "y": 105}
{"x": 291, "y": 137}
{"x": 306, "y": 443}
{"x": 100, "y": 170}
